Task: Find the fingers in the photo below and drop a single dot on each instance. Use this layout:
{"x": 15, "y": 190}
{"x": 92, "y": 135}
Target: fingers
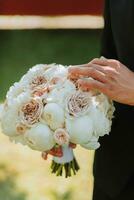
{"x": 100, "y": 61}
{"x": 109, "y": 72}
{"x": 94, "y": 72}
{"x": 106, "y": 62}
{"x": 87, "y": 85}
{"x": 98, "y": 72}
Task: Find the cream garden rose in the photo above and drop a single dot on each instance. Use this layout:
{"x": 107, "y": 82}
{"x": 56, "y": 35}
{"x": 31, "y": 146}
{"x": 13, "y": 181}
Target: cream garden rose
{"x": 61, "y": 136}
{"x": 78, "y": 103}
{"x": 30, "y": 113}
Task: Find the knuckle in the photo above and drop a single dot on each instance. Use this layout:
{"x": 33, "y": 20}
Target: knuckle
{"x": 94, "y": 60}
{"x": 116, "y": 63}
{"x": 89, "y": 64}
{"x": 111, "y": 72}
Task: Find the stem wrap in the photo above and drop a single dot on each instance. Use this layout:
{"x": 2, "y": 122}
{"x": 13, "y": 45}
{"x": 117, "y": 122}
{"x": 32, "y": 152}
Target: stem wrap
{"x": 67, "y": 155}
{"x": 66, "y": 164}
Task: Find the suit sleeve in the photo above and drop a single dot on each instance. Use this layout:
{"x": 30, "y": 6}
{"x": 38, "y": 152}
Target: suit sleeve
{"x": 108, "y": 48}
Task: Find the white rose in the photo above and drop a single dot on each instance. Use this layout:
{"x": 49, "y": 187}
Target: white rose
{"x": 40, "y": 67}
{"x": 103, "y": 103}
{"x": 34, "y": 77}
{"x": 92, "y": 144}
{"x": 14, "y": 92}
{"x": 80, "y": 129}
{"x": 18, "y": 139}
{"x": 61, "y": 92}
{"x": 53, "y": 115}
{"x": 102, "y": 125}
{"x": 9, "y": 119}
{"x": 39, "y": 137}
{"x": 55, "y": 71}
{"x": 1, "y": 110}
{"x": 21, "y": 128}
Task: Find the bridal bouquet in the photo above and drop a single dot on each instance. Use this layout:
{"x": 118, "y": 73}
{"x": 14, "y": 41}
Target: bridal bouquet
{"x": 48, "y": 112}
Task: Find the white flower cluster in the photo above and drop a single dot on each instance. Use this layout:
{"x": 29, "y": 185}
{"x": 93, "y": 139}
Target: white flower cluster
{"x": 46, "y": 108}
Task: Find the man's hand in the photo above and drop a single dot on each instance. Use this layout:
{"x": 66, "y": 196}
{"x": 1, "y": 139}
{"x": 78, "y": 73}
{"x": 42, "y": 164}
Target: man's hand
{"x": 109, "y": 77}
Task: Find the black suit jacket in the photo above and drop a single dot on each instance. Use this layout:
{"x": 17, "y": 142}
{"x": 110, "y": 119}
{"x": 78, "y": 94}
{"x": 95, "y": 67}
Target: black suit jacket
{"x": 114, "y": 160}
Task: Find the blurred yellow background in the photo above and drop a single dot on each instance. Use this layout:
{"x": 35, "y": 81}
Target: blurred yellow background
{"x": 24, "y": 175}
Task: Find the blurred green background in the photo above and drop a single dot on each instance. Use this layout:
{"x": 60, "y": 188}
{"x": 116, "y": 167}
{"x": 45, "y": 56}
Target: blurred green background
{"x": 21, "y": 49}
{"x": 23, "y": 174}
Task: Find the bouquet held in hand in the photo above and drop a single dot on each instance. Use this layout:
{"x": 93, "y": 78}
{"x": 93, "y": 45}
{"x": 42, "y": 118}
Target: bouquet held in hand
{"x": 49, "y": 113}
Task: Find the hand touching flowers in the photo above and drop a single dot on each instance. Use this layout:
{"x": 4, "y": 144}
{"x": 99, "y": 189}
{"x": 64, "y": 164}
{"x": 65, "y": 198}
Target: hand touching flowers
{"x": 108, "y": 76}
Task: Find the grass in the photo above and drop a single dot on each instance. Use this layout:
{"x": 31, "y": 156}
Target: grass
{"x": 23, "y": 174}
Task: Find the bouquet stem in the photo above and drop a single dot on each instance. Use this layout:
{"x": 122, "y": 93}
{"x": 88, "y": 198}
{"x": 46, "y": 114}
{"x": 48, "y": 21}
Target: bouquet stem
{"x": 67, "y": 163}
